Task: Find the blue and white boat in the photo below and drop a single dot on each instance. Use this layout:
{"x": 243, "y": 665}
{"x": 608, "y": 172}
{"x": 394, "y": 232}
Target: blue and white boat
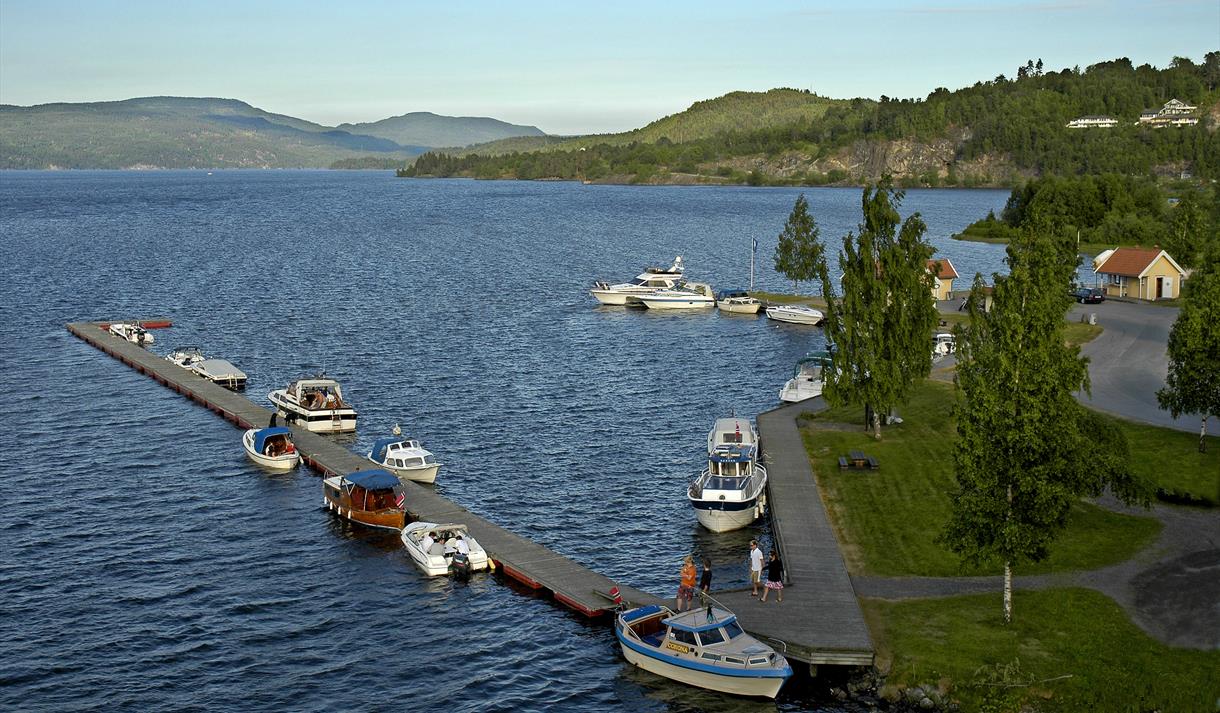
{"x": 702, "y": 647}
{"x": 730, "y": 492}
{"x": 405, "y": 457}
{"x": 271, "y": 447}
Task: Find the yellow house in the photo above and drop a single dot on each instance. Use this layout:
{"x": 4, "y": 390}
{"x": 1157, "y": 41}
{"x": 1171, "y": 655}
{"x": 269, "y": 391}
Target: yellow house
{"x": 1142, "y": 273}
{"x": 943, "y": 284}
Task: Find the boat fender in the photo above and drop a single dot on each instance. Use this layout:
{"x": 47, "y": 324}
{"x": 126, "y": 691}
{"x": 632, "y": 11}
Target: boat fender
{"x": 491, "y": 565}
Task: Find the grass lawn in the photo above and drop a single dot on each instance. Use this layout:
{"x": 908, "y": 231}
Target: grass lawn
{"x": 888, "y": 519}
{"x": 787, "y": 299}
{"x": 1172, "y": 459}
{"x": 1109, "y": 664}
{"x": 1077, "y": 333}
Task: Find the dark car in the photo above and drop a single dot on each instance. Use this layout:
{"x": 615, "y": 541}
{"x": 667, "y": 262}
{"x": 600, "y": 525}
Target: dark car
{"x": 1089, "y": 295}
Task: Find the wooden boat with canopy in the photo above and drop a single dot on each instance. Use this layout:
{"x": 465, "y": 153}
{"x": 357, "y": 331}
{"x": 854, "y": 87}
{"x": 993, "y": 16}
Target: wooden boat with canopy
{"x": 369, "y": 497}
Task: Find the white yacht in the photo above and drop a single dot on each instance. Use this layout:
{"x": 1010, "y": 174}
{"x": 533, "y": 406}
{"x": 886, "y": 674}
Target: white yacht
{"x": 806, "y": 382}
{"x": 737, "y": 302}
{"x": 133, "y": 332}
{"x": 729, "y": 493}
{"x": 438, "y": 559}
{"x": 315, "y": 404}
{"x": 692, "y": 295}
{"x": 648, "y": 281}
{"x": 404, "y": 457}
{"x": 795, "y": 314}
{"x": 217, "y": 371}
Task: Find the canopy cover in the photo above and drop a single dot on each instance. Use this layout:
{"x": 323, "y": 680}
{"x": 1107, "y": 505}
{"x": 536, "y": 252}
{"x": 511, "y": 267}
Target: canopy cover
{"x": 261, "y": 436}
{"x": 373, "y": 479}
{"x": 382, "y": 444}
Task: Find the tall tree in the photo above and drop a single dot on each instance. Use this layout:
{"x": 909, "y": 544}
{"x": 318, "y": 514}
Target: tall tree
{"x": 1025, "y": 449}
{"x": 882, "y": 323}
{"x": 799, "y": 254}
{"x": 1193, "y": 383}
{"x": 1188, "y": 229}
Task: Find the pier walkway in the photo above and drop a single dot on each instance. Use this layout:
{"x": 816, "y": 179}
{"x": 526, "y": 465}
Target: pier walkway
{"x": 819, "y": 622}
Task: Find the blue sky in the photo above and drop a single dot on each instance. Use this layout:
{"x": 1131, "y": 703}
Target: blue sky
{"x": 567, "y": 67}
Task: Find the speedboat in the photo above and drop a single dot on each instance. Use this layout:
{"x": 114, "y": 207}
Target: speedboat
{"x": 943, "y": 344}
{"x": 186, "y": 356}
{"x": 369, "y": 497}
{"x": 648, "y": 281}
{"x": 317, "y": 404}
{"x": 795, "y": 314}
{"x": 439, "y": 558}
{"x": 133, "y": 332}
{"x": 737, "y": 301}
{"x": 217, "y": 371}
{"x": 692, "y": 295}
{"x": 729, "y": 493}
{"x": 806, "y": 381}
{"x": 405, "y": 458}
{"x": 702, "y": 647}
{"x": 271, "y": 447}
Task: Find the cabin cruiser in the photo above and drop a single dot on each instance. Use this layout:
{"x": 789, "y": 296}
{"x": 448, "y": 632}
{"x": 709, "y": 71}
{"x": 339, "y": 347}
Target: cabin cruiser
{"x": 943, "y": 344}
{"x": 795, "y": 314}
{"x": 404, "y": 457}
{"x": 729, "y": 493}
{"x": 692, "y": 295}
{"x": 133, "y": 332}
{"x": 648, "y": 281}
{"x": 271, "y": 447}
{"x": 737, "y": 301}
{"x": 369, "y": 497}
{"x": 217, "y": 371}
{"x": 443, "y": 551}
{"x": 806, "y": 381}
{"x": 316, "y": 404}
{"x": 702, "y": 647}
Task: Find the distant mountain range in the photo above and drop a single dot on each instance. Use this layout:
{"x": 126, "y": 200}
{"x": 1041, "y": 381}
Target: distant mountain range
{"x": 189, "y": 132}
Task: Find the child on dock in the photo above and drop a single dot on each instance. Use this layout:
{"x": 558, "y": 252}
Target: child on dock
{"x": 686, "y": 590}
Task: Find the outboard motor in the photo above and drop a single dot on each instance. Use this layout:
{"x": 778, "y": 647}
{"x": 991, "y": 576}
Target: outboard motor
{"x": 459, "y": 567}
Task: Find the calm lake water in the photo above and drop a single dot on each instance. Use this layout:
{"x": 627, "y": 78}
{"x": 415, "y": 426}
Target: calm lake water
{"x": 149, "y": 566}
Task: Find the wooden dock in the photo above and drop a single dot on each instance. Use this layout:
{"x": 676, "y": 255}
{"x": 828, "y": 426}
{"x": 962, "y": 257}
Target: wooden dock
{"x": 819, "y": 622}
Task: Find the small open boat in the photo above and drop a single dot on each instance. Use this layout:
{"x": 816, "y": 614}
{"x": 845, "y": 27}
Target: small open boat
{"x": 369, "y": 497}
{"x": 807, "y": 380}
{"x": 271, "y": 447}
{"x": 439, "y": 557}
{"x": 795, "y": 314}
{"x": 703, "y": 647}
{"x": 217, "y": 371}
{"x": 133, "y": 332}
{"x": 737, "y": 302}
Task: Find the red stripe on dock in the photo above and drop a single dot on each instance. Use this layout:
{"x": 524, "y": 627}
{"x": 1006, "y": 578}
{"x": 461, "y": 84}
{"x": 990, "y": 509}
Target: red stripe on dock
{"x": 578, "y": 606}
{"x": 519, "y": 575}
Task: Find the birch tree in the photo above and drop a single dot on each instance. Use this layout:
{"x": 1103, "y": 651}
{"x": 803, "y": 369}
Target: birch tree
{"x": 798, "y": 254}
{"x": 1193, "y": 383}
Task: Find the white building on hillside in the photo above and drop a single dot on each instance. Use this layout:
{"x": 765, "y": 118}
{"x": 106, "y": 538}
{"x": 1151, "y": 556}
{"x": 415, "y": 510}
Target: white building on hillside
{"x": 1093, "y": 121}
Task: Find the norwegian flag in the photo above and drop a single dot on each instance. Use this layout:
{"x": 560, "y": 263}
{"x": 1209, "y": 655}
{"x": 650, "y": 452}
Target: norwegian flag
{"x": 402, "y": 498}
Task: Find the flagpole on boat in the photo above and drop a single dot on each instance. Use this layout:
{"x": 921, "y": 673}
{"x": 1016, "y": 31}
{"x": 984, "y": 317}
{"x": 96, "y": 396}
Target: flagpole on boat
{"x": 753, "y": 249}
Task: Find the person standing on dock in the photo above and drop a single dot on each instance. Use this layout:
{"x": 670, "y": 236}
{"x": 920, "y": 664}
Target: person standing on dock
{"x": 775, "y": 578}
{"x": 686, "y": 589}
{"x": 756, "y": 565}
{"x": 705, "y": 581}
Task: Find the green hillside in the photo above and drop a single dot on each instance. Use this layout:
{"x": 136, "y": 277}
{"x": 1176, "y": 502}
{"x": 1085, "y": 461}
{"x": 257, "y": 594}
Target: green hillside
{"x": 423, "y": 128}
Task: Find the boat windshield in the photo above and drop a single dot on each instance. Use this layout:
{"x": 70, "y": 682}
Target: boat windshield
{"x": 723, "y": 483}
{"x": 732, "y": 630}
{"x": 728, "y": 469}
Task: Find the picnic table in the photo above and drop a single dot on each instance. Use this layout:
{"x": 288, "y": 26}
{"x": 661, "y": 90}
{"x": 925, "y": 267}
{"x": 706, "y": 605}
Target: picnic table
{"x": 858, "y": 460}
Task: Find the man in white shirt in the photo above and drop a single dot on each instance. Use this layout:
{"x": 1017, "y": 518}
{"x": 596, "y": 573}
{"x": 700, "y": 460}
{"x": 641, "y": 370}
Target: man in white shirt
{"x": 427, "y": 542}
{"x": 756, "y": 565}
{"x": 462, "y": 546}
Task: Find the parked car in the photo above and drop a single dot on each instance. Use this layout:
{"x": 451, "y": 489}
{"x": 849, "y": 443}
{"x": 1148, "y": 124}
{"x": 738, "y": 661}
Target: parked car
{"x": 1089, "y": 295}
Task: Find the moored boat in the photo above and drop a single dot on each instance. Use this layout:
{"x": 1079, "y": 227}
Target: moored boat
{"x": 404, "y": 457}
{"x": 316, "y": 404}
{"x": 217, "y": 371}
{"x": 133, "y": 332}
{"x": 369, "y": 497}
{"x": 806, "y": 381}
{"x": 943, "y": 344}
{"x": 271, "y": 447}
{"x": 730, "y": 492}
{"x": 443, "y": 548}
{"x": 692, "y": 295}
{"x": 703, "y": 647}
{"x": 795, "y": 314}
{"x": 648, "y": 281}
{"x": 737, "y": 302}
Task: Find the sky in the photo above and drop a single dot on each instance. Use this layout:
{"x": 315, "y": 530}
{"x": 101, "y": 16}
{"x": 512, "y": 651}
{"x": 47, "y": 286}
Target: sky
{"x": 566, "y": 67}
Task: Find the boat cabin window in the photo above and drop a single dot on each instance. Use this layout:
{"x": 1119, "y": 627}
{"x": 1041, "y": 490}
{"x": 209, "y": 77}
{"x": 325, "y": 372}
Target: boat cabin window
{"x": 639, "y": 282}
{"x": 711, "y": 636}
{"x": 708, "y": 655}
{"x": 429, "y": 459}
{"x": 413, "y": 462}
{"x": 735, "y": 659}
{"x": 721, "y": 483}
{"x": 732, "y": 630}
{"x": 683, "y": 636}
{"x": 758, "y": 661}
{"x": 728, "y": 469}
{"x": 396, "y": 462}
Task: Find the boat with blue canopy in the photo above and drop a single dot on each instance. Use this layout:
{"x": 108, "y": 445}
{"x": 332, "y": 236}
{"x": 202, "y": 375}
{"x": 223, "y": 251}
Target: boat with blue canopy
{"x": 369, "y": 497}
{"x": 271, "y": 447}
{"x": 729, "y": 493}
{"x": 702, "y": 647}
{"x": 405, "y": 457}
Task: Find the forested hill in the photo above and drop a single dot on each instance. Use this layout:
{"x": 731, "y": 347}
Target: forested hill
{"x": 189, "y": 132}
{"x": 423, "y": 128}
{"x": 996, "y": 132}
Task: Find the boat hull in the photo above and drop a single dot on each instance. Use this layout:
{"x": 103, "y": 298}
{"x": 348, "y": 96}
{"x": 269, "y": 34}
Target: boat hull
{"x": 609, "y": 297}
{"x": 766, "y": 687}
{"x": 384, "y": 519}
{"x": 670, "y": 303}
{"x": 782, "y": 315}
{"x": 422, "y": 474}
{"x": 728, "y": 520}
{"x": 796, "y": 390}
{"x": 738, "y": 308}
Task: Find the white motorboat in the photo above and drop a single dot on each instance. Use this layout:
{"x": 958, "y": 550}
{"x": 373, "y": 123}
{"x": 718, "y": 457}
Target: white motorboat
{"x": 132, "y": 332}
{"x": 737, "y": 302}
{"x": 439, "y": 558}
{"x": 691, "y": 295}
{"x": 806, "y": 382}
{"x": 647, "y": 282}
{"x": 217, "y": 371}
{"x": 702, "y": 647}
{"x": 271, "y": 447}
{"x": 316, "y": 404}
{"x": 943, "y": 344}
{"x": 730, "y": 492}
{"x": 405, "y": 457}
{"x": 186, "y": 356}
{"x": 795, "y": 314}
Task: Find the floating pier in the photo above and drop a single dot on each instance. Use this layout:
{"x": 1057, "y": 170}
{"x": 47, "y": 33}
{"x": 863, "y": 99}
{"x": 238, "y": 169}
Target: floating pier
{"x": 819, "y": 622}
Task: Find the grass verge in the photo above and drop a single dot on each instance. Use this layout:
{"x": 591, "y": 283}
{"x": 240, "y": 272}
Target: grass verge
{"x": 1075, "y": 651}
{"x": 1172, "y": 460}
